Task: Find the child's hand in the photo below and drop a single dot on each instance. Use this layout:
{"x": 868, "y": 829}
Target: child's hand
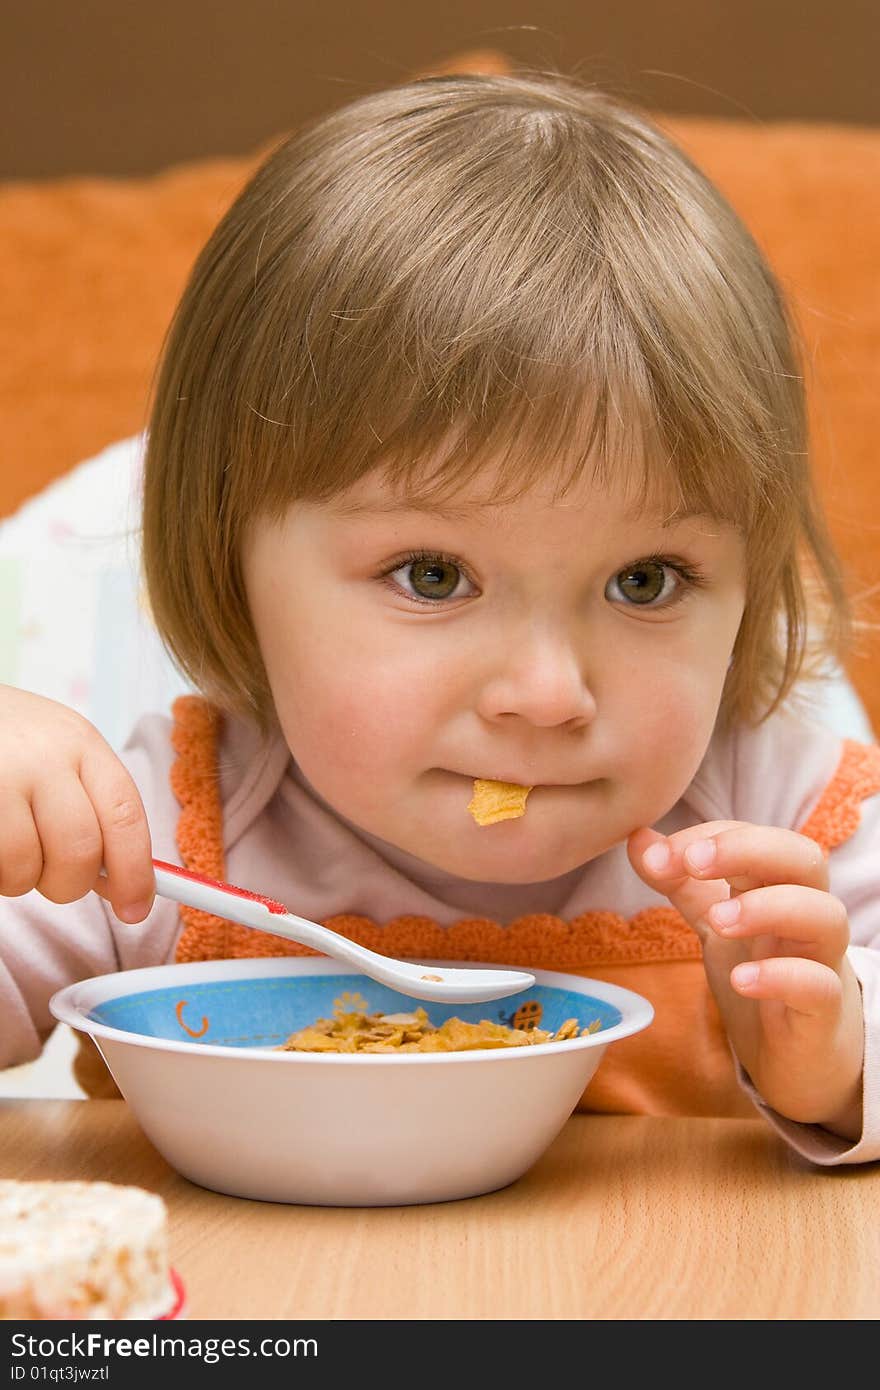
{"x": 67, "y": 807}
{"x": 789, "y": 998}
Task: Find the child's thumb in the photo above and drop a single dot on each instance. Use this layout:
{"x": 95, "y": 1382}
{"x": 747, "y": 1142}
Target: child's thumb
{"x": 636, "y": 845}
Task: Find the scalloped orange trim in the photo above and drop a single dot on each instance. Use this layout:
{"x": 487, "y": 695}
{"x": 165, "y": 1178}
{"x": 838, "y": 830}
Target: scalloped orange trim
{"x": 838, "y": 811}
{"x": 589, "y": 940}
{"x": 196, "y": 785}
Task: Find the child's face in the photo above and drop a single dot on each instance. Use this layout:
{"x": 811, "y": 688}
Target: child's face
{"x": 546, "y": 642}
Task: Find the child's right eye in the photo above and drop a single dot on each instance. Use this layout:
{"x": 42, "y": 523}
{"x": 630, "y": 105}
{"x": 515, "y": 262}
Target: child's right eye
{"x": 430, "y": 578}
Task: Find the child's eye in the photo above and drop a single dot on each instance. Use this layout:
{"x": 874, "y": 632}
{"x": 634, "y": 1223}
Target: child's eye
{"x": 430, "y": 578}
{"x": 654, "y": 582}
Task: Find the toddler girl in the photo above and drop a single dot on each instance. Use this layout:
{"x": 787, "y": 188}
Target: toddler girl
{"x": 478, "y": 451}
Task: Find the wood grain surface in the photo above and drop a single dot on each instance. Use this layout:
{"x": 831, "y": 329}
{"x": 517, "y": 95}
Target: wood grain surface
{"x": 623, "y": 1218}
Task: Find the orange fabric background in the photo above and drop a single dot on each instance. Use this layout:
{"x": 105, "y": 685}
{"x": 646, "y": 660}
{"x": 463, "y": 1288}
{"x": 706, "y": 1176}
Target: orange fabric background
{"x": 91, "y": 270}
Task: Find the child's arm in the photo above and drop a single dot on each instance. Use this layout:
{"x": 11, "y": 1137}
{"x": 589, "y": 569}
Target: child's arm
{"x": 775, "y": 945}
{"x": 45, "y": 946}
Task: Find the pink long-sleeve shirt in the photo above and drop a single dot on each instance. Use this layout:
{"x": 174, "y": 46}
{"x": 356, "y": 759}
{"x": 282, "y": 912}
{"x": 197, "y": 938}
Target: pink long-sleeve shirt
{"x": 280, "y": 837}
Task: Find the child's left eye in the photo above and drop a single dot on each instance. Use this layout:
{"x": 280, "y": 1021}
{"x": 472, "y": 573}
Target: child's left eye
{"x": 652, "y": 583}
{"x": 430, "y": 578}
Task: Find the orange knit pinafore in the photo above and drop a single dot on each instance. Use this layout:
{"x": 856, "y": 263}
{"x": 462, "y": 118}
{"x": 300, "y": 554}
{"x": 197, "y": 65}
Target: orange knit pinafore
{"x": 680, "y": 1065}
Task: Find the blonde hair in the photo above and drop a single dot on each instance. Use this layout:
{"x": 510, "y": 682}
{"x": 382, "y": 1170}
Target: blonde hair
{"x": 520, "y": 269}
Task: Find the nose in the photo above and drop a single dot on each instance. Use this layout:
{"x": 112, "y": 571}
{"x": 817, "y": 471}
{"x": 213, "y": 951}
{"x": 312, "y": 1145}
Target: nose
{"x": 538, "y": 678}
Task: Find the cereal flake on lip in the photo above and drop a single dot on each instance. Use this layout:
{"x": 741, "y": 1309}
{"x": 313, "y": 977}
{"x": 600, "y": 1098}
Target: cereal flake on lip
{"x": 497, "y": 801}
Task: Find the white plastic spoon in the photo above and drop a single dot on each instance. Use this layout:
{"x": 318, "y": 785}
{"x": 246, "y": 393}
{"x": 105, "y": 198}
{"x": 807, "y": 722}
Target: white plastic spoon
{"x": 265, "y": 914}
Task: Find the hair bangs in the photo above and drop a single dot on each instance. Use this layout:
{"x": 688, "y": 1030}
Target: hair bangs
{"x": 545, "y": 397}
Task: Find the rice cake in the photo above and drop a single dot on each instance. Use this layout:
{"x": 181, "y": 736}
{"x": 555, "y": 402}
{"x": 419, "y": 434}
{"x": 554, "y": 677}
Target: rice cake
{"x": 85, "y": 1250}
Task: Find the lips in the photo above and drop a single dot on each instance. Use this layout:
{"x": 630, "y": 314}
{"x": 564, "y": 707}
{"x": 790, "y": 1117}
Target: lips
{"x": 526, "y": 780}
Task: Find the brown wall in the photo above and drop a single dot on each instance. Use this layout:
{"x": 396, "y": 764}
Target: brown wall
{"x": 128, "y": 86}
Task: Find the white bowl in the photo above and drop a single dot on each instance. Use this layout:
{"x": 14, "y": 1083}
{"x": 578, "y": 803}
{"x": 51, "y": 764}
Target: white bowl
{"x": 192, "y": 1050}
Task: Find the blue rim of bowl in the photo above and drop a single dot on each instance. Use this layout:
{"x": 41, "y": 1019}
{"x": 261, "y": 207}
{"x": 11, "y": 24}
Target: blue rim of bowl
{"x": 64, "y": 1008}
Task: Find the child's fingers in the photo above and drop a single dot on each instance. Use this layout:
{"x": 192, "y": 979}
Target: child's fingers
{"x": 670, "y": 876}
{"x": 805, "y": 986}
{"x": 21, "y": 853}
{"x": 70, "y": 837}
{"x": 660, "y": 859}
{"x": 127, "y": 850}
{"x": 750, "y": 856}
{"x": 810, "y": 921}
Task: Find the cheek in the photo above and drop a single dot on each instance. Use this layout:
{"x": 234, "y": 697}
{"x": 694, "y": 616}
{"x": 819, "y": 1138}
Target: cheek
{"x": 669, "y": 719}
{"x": 351, "y": 707}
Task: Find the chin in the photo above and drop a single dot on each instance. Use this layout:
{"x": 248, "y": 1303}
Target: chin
{"x": 512, "y": 854}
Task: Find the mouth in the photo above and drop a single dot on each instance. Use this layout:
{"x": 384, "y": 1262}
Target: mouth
{"x": 535, "y": 783}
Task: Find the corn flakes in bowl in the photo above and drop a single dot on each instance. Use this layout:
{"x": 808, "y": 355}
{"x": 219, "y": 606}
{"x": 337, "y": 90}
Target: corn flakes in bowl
{"x": 295, "y": 1079}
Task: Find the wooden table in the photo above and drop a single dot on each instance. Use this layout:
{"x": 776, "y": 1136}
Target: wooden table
{"x": 623, "y": 1217}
